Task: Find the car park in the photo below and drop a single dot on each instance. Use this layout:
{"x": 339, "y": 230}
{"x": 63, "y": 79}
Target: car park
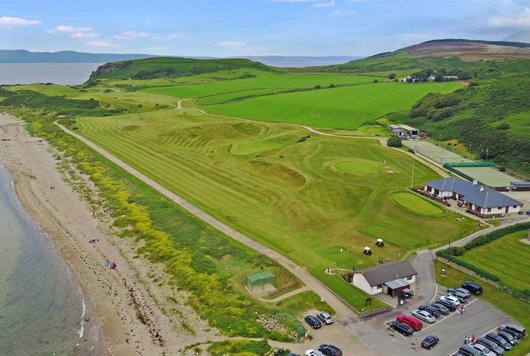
{"x": 442, "y": 308}
{"x": 468, "y": 350}
{"x": 430, "y": 309}
{"x": 313, "y": 353}
{"x": 313, "y": 321}
{"x": 402, "y": 328}
{"x": 429, "y": 342}
{"x": 472, "y": 287}
{"x": 325, "y": 318}
{"x": 423, "y": 316}
{"x": 490, "y": 345}
{"x": 484, "y": 351}
{"x": 330, "y": 350}
{"x": 411, "y": 321}
{"x": 517, "y": 330}
{"x": 499, "y": 341}
{"x": 508, "y": 337}
{"x": 451, "y": 298}
{"x": 448, "y": 304}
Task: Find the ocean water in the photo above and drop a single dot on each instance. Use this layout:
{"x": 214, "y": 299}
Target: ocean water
{"x": 57, "y": 73}
{"x": 42, "y": 308}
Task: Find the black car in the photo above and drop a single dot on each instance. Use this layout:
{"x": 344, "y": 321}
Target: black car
{"x": 508, "y": 337}
{"x": 442, "y": 308}
{"x": 429, "y": 308}
{"x": 516, "y": 330}
{"x": 499, "y": 341}
{"x": 467, "y": 350}
{"x": 491, "y": 345}
{"x": 429, "y": 342}
{"x": 313, "y": 321}
{"x": 330, "y": 350}
{"x": 474, "y": 288}
{"x": 402, "y": 328}
{"x": 448, "y": 304}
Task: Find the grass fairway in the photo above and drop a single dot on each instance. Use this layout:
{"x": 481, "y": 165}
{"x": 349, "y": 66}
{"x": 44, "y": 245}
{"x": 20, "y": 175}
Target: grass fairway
{"x": 516, "y": 308}
{"x": 417, "y": 204}
{"x": 343, "y": 107}
{"x": 507, "y": 257}
{"x": 282, "y": 190}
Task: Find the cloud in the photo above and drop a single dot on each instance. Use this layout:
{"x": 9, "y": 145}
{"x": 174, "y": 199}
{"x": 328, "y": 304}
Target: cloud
{"x": 17, "y": 21}
{"x": 175, "y": 36}
{"x": 127, "y": 35}
{"x": 325, "y": 4}
{"x": 83, "y": 35}
{"x": 103, "y": 44}
{"x": 68, "y": 29}
{"x": 343, "y": 13}
{"x": 294, "y": 0}
{"x": 519, "y": 20}
{"x": 232, "y": 45}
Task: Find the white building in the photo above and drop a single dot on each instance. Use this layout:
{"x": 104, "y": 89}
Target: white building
{"x": 388, "y": 278}
{"x": 479, "y": 199}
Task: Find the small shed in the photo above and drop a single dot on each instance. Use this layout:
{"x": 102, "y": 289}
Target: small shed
{"x": 260, "y": 279}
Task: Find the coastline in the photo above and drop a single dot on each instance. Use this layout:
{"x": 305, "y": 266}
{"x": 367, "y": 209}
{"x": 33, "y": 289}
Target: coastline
{"x": 125, "y": 304}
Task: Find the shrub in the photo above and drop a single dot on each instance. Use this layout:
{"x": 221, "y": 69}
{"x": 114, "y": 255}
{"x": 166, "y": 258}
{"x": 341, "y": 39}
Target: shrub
{"x": 394, "y": 141}
{"x": 494, "y": 235}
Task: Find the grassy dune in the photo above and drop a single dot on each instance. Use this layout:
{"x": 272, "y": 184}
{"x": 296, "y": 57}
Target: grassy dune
{"x": 284, "y": 191}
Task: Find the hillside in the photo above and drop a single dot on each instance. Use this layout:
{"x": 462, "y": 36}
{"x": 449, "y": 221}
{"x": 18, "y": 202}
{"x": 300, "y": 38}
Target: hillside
{"x": 171, "y": 67}
{"x": 22, "y": 56}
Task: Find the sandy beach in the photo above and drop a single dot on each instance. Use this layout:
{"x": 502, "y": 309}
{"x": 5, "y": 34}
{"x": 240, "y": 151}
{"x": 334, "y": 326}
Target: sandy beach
{"x": 134, "y": 314}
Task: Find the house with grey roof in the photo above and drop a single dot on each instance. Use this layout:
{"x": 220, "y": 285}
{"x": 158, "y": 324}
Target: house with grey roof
{"x": 479, "y": 199}
{"x": 389, "y": 278}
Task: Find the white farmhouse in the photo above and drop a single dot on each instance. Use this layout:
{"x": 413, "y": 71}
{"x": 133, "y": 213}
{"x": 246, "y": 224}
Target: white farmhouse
{"x": 389, "y": 278}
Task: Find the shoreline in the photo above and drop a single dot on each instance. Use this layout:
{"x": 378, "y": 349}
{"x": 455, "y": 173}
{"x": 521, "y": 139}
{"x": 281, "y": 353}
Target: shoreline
{"x": 127, "y": 307}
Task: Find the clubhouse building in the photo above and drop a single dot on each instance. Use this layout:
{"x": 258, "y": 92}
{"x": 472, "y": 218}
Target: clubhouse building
{"x": 479, "y": 199}
{"x": 391, "y": 278}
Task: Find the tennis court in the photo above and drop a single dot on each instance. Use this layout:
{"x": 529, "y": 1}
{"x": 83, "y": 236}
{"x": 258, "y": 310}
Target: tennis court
{"x": 436, "y": 153}
{"x": 488, "y": 176}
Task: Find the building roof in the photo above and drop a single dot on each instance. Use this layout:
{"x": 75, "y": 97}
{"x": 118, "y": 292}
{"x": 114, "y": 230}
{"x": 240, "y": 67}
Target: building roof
{"x": 387, "y": 272}
{"x": 476, "y": 194}
{"x": 520, "y": 185}
{"x": 408, "y": 128}
{"x": 397, "y": 283}
{"x": 260, "y": 276}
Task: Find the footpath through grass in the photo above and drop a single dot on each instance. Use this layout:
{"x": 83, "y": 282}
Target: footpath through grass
{"x": 516, "y": 308}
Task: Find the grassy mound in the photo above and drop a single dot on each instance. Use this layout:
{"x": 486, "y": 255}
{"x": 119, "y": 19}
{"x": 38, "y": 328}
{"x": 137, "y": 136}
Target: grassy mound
{"x": 416, "y": 204}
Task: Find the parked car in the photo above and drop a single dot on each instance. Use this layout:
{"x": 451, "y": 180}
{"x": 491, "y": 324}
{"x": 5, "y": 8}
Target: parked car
{"x": 313, "y": 353}
{"x": 313, "y": 321}
{"x": 402, "y": 328}
{"x": 442, "y": 308}
{"x": 411, "y": 321}
{"x": 508, "y": 337}
{"x": 484, "y": 351}
{"x": 291, "y": 354}
{"x": 517, "y": 330}
{"x": 451, "y": 298}
{"x": 423, "y": 316}
{"x": 330, "y": 350}
{"x": 462, "y": 297}
{"x": 430, "y": 309}
{"x": 468, "y": 350}
{"x": 325, "y": 318}
{"x": 490, "y": 345}
{"x": 429, "y": 342}
{"x": 447, "y": 303}
{"x": 499, "y": 341}
{"x": 472, "y": 287}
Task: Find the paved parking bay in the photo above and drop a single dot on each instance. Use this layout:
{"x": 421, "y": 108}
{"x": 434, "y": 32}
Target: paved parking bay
{"x": 479, "y": 318}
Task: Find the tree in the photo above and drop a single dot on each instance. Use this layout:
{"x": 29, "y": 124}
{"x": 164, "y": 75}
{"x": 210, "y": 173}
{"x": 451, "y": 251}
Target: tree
{"x": 394, "y": 141}
{"x": 392, "y": 76}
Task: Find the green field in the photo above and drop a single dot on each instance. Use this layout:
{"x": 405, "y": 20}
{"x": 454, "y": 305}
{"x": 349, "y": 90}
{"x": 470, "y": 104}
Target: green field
{"x": 417, "y": 204}
{"x": 507, "y": 257}
{"x": 271, "y": 182}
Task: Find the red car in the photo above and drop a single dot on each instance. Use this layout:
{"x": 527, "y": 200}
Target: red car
{"x": 411, "y": 321}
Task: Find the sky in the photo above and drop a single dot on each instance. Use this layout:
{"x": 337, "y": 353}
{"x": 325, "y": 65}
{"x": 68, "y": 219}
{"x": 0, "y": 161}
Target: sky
{"x": 224, "y": 28}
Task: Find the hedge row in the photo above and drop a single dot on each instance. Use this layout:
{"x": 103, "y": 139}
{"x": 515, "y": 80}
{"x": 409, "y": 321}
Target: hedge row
{"x": 492, "y": 277}
{"x": 494, "y": 235}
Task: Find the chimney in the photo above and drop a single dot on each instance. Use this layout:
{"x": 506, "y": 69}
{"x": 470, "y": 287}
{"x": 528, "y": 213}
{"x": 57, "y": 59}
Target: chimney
{"x": 475, "y": 182}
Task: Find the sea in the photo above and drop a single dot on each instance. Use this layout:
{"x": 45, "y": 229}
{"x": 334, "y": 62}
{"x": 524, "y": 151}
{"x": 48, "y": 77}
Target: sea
{"x": 42, "y": 307}
{"x": 56, "y": 73}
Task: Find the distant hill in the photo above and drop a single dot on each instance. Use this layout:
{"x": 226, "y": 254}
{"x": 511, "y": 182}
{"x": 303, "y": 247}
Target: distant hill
{"x": 23, "y": 56}
{"x": 156, "y": 67}
{"x": 521, "y": 36}
{"x": 300, "y": 61}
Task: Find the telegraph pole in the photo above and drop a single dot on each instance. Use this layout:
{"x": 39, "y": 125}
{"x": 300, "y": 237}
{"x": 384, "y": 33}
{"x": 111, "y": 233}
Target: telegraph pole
{"x": 412, "y": 180}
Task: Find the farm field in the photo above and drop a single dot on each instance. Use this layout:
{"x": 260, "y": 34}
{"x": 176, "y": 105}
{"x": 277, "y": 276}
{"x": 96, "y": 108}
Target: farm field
{"x": 301, "y": 196}
{"x": 507, "y": 257}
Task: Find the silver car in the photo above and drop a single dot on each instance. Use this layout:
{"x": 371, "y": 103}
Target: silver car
{"x": 484, "y": 351}
{"x": 451, "y": 299}
{"x": 423, "y": 316}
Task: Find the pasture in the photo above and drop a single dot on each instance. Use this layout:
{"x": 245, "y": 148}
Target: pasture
{"x": 302, "y": 196}
{"x": 507, "y": 257}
